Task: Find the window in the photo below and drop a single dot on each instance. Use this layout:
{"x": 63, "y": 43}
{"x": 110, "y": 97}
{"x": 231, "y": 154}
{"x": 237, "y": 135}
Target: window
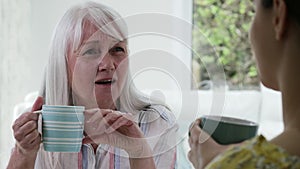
{"x": 225, "y": 24}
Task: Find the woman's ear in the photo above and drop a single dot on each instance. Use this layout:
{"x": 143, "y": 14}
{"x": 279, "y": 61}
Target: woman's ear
{"x": 279, "y": 18}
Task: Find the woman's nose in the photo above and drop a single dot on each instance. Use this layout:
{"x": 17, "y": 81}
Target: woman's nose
{"x": 107, "y": 63}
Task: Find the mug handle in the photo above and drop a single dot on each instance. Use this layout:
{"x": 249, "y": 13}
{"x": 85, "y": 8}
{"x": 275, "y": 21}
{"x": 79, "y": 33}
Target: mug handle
{"x": 39, "y": 124}
{"x": 37, "y": 112}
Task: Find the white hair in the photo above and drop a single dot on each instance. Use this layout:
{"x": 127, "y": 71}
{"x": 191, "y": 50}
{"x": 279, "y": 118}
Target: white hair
{"x": 67, "y": 36}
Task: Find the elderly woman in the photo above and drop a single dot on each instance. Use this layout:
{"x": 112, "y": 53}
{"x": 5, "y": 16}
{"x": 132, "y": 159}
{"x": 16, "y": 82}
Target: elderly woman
{"x": 88, "y": 66}
{"x": 275, "y": 39}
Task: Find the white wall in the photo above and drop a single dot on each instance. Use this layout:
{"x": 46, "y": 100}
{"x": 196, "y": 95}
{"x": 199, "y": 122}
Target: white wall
{"x": 15, "y": 66}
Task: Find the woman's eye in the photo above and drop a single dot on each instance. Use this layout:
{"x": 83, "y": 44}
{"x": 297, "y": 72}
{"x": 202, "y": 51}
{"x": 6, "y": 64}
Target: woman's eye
{"x": 90, "y": 52}
{"x": 118, "y": 49}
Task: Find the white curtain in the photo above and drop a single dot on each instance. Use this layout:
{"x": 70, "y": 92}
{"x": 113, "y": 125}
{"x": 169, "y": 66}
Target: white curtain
{"x": 15, "y": 70}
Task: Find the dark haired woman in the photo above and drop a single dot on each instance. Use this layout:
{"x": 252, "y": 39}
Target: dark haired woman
{"x": 275, "y": 40}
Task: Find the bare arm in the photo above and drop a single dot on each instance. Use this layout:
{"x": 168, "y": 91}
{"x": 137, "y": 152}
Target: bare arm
{"x": 21, "y": 160}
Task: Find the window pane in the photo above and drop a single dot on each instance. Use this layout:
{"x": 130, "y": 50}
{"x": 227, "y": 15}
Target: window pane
{"x": 225, "y": 24}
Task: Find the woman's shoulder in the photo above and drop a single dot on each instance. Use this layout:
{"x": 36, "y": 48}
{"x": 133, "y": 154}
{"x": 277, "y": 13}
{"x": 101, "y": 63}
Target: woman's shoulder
{"x": 256, "y": 153}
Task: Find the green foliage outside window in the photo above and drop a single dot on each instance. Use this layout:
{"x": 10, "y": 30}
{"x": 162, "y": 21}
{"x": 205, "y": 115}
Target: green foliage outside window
{"x": 225, "y": 23}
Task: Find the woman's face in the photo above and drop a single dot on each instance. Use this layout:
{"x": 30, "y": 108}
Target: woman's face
{"x": 264, "y": 44}
{"x": 98, "y": 70}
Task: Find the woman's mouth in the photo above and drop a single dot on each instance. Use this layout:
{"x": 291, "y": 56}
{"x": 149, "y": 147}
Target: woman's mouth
{"x": 105, "y": 81}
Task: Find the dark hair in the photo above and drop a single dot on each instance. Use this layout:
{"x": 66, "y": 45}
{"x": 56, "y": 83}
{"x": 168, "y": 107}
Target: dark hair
{"x": 267, "y": 3}
{"x": 292, "y": 8}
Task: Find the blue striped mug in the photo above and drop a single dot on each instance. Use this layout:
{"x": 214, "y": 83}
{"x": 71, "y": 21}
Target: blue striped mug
{"x": 62, "y": 127}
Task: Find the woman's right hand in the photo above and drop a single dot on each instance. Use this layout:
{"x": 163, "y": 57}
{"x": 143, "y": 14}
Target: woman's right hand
{"x": 25, "y": 130}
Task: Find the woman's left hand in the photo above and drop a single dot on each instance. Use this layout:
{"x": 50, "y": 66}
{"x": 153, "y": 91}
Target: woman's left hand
{"x": 104, "y": 126}
{"x": 203, "y": 147}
